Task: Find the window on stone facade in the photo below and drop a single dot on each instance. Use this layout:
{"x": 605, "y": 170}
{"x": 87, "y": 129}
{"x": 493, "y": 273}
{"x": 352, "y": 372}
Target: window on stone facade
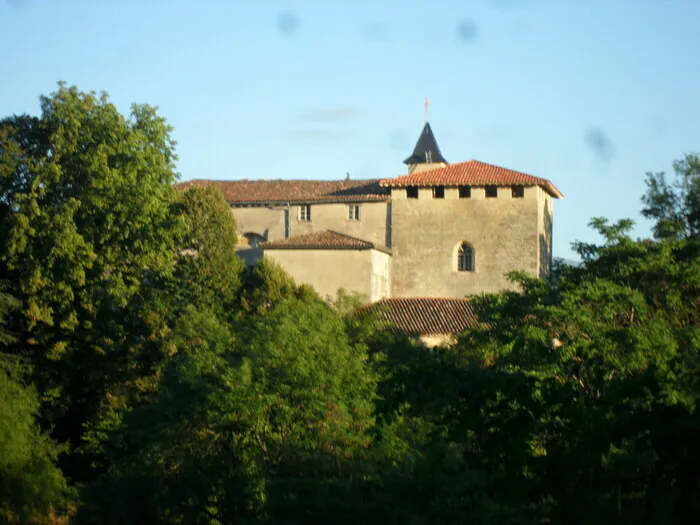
{"x": 517, "y": 192}
{"x": 491, "y": 192}
{"x": 354, "y": 212}
{"x": 305, "y": 212}
{"x": 465, "y": 192}
{"x": 465, "y": 258}
{"x": 412, "y": 192}
{"x": 438, "y": 192}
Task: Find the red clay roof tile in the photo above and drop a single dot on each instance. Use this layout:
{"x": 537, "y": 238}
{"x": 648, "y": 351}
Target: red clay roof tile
{"x": 425, "y": 315}
{"x": 323, "y": 240}
{"x": 471, "y": 173}
{"x": 302, "y": 191}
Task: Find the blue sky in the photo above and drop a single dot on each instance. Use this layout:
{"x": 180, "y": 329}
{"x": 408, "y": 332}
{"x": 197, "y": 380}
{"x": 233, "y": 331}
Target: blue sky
{"x": 590, "y": 94}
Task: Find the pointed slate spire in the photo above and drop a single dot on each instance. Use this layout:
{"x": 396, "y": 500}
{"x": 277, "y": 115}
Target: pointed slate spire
{"x": 426, "y": 150}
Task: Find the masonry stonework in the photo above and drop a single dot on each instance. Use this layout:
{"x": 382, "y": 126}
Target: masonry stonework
{"x": 502, "y": 232}
{"x": 266, "y": 221}
{"x": 372, "y": 225}
{"x": 272, "y": 224}
{"x": 362, "y": 271}
{"x": 406, "y": 241}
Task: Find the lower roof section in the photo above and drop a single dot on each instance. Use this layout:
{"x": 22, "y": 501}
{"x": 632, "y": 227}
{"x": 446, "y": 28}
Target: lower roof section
{"x": 425, "y": 315}
{"x": 324, "y": 240}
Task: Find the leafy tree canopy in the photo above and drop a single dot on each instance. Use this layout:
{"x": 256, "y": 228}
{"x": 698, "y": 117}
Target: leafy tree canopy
{"x": 675, "y": 206}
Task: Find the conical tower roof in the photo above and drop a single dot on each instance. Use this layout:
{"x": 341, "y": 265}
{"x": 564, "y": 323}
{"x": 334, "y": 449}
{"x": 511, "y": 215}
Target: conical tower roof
{"x": 426, "y": 150}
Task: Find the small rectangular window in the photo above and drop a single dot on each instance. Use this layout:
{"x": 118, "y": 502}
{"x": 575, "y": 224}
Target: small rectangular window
{"x": 518, "y": 192}
{"x": 491, "y": 192}
{"x": 465, "y": 192}
{"x": 412, "y": 192}
{"x": 438, "y": 192}
{"x": 305, "y": 213}
{"x": 354, "y": 212}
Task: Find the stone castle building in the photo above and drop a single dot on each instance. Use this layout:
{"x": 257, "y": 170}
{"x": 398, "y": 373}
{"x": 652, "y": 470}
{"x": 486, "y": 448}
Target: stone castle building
{"x": 441, "y": 230}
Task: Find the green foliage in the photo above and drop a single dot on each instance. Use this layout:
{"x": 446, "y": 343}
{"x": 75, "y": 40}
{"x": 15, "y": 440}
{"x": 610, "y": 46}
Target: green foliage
{"x": 86, "y": 224}
{"x": 574, "y": 402}
{"x": 255, "y": 427}
{"x": 676, "y": 207}
{"x": 265, "y": 285}
{"x": 84, "y": 191}
{"x": 209, "y": 271}
{"x": 32, "y": 488}
{"x": 7, "y": 304}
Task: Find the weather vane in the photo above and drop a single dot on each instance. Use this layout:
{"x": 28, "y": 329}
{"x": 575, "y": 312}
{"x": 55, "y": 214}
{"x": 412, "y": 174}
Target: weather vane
{"x": 427, "y": 103}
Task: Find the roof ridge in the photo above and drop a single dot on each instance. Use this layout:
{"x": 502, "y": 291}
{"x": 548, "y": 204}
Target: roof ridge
{"x": 324, "y": 239}
{"x": 348, "y": 236}
{"x": 472, "y": 173}
{"x": 245, "y": 191}
{"x": 376, "y": 179}
{"x": 508, "y": 169}
{"x": 428, "y": 297}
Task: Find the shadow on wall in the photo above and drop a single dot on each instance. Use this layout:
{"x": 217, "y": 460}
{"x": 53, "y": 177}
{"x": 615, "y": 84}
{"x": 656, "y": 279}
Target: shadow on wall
{"x": 250, "y": 255}
{"x": 546, "y": 245}
{"x": 387, "y": 235}
{"x": 249, "y": 248}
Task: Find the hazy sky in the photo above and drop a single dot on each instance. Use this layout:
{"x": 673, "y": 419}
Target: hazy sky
{"x": 590, "y": 94}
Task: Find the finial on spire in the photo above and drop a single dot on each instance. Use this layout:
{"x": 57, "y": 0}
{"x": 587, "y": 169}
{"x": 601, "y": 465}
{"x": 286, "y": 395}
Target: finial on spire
{"x": 427, "y": 103}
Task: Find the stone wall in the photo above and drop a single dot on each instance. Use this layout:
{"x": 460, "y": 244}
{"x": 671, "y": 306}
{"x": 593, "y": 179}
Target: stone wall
{"x": 372, "y": 225}
{"x": 381, "y": 275}
{"x": 360, "y": 271}
{"x": 433, "y": 340}
{"x": 545, "y": 220}
{"x": 427, "y": 233}
{"x": 506, "y": 233}
{"x": 271, "y": 222}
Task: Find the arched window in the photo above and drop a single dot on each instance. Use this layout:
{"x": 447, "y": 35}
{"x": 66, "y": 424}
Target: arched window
{"x": 465, "y": 258}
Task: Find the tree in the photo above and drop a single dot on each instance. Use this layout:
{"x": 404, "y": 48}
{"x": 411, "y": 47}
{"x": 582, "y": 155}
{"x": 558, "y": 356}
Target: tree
{"x": 209, "y": 272}
{"x": 31, "y": 485}
{"x": 261, "y": 426}
{"x": 265, "y": 285}
{"x": 86, "y": 222}
{"x": 32, "y": 488}
{"x": 574, "y": 402}
{"x": 675, "y": 207}
{"x": 85, "y": 202}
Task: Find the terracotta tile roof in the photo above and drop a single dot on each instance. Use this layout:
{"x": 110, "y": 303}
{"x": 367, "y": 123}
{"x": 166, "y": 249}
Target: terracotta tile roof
{"x": 471, "y": 173}
{"x": 425, "y": 315}
{"x": 323, "y": 240}
{"x": 283, "y": 191}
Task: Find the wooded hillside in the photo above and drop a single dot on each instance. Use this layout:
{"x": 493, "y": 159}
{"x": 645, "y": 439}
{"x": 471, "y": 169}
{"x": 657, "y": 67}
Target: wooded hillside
{"x": 146, "y": 376}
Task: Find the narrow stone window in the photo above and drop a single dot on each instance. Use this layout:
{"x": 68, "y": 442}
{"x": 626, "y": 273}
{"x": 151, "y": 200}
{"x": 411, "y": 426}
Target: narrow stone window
{"x": 438, "y": 192}
{"x": 465, "y": 258}
{"x": 491, "y": 192}
{"x": 465, "y": 192}
{"x": 517, "y": 192}
{"x": 354, "y": 212}
{"x": 412, "y": 192}
{"x": 305, "y": 213}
